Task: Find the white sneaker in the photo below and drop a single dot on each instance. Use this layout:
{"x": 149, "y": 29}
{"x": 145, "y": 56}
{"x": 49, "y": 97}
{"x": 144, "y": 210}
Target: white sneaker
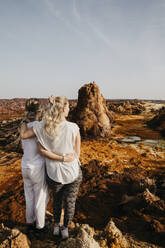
{"x": 56, "y": 230}
{"x": 64, "y": 232}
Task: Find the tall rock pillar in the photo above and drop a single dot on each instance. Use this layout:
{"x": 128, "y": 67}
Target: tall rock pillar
{"x": 91, "y": 112}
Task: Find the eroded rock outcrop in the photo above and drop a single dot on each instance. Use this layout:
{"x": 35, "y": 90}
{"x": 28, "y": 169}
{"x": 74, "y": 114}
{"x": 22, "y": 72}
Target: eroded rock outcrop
{"x": 12, "y": 106}
{"x": 104, "y": 196}
{"x": 84, "y": 239}
{"x": 129, "y": 107}
{"x": 13, "y": 238}
{"x": 115, "y": 236}
{"x": 9, "y": 135}
{"x": 158, "y": 122}
{"x": 15, "y": 106}
{"x": 91, "y": 113}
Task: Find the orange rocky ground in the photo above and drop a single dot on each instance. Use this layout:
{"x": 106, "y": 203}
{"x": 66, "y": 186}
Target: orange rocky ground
{"x": 107, "y": 150}
{"x": 101, "y": 191}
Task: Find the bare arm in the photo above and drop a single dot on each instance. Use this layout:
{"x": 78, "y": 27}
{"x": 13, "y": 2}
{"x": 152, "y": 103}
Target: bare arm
{"x": 51, "y": 155}
{"x": 77, "y": 144}
{"x": 26, "y": 133}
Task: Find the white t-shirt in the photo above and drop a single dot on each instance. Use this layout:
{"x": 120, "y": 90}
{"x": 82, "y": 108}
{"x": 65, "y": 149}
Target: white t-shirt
{"x": 61, "y": 144}
{"x": 31, "y": 157}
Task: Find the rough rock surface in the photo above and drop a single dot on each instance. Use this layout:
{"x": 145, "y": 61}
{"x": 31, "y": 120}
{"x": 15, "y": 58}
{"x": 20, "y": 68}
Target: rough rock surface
{"x": 129, "y": 107}
{"x": 115, "y": 237}
{"x": 12, "y": 106}
{"x": 9, "y": 135}
{"x": 125, "y": 182}
{"x": 158, "y": 122}
{"x": 15, "y": 106}
{"x": 84, "y": 239}
{"x": 91, "y": 113}
{"x": 13, "y": 238}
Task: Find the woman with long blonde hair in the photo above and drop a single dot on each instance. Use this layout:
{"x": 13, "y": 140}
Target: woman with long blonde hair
{"x": 58, "y": 138}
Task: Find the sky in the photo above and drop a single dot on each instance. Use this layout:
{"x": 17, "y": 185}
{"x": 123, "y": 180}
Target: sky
{"x": 54, "y": 47}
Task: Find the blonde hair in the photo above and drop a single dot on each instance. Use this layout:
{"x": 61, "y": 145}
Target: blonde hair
{"x": 54, "y": 115}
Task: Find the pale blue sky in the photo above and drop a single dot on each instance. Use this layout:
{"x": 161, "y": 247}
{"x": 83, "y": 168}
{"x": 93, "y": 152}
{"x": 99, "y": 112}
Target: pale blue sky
{"x": 56, "y": 46}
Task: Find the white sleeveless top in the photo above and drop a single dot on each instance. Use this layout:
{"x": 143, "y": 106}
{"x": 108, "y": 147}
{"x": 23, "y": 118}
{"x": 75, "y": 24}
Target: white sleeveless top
{"x": 63, "y": 143}
{"x": 31, "y": 158}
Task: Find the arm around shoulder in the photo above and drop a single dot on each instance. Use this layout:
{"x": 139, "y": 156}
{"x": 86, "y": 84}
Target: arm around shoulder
{"x": 52, "y": 155}
{"x": 26, "y": 133}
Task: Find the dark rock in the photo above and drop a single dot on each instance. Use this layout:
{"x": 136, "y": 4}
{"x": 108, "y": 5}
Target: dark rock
{"x": 156, "y": 226}
{"x": 158, "y": 122}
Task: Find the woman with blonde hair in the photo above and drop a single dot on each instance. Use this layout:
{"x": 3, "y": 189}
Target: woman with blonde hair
{"x": 56, "y": 134}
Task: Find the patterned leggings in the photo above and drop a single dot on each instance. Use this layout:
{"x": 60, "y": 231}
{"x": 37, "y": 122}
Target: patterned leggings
{"x": 64, "y": 195}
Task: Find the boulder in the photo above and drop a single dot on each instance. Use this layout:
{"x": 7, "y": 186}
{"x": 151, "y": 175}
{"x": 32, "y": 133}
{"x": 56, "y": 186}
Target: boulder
{"x": 115, "y": 236}
{"x": 91, "y": 113}
{"x": 13, "y": 238}
{"x": 153, "y": 204}
{"x": 19, "y": 240}
{"x": 157, "y": 226}
{"x": 84, "y": 239}
{"x": 158, "y": 121}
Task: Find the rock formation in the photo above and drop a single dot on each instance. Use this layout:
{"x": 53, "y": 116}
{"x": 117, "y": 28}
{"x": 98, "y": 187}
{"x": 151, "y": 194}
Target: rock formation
{"x": 115, "y": 236}
{"x": 84, "y": 239}
{"x": 123, "y": 189}
{"x": 12, "y": 106}
{"x": 13, "y": 238}
{"x": 119, "y": 206}
{"x": 15, "y": 106}
{"x": 9, "y": 135}
{"x": 132, "y": 107}
{"x": 91, "y": 113}
{"x": 158, "y": 122}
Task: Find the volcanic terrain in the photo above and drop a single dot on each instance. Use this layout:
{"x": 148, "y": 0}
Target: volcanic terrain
{"x": 123, "y": 184}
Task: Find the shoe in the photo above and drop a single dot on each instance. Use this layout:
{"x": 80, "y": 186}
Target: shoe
{"x": 41, "y": 230}
{"x": 31, "y": 227}
{"x": 64, "y": 233}
{"x": 56, "y": 230}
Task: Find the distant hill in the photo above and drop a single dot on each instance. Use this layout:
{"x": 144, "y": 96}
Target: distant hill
{"x": 17, "y": 105}
{"x": 137, "y": 100}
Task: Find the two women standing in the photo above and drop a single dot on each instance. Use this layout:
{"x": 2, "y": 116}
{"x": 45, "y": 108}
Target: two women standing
{"x": 59, "y": 142}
